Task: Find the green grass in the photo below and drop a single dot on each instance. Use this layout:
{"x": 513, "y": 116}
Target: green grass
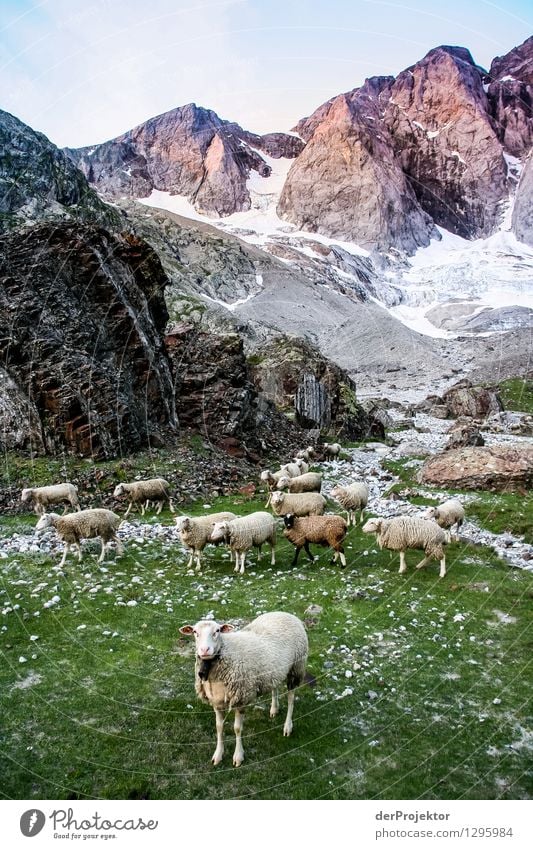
{"x": 517, "y": 394}
{"x": 504, "y": 512}
{"x": 436, "y": 706}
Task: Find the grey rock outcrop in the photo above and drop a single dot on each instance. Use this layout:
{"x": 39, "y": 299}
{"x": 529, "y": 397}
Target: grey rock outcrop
{"x": 523, "y": 208}
{"x": 499, "y": 468}
{"x": 188, "y": 151}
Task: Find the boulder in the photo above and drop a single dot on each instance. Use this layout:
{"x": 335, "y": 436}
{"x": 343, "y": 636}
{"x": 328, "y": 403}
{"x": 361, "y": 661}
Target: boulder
{"x": 464, "y": 436}
{"x": 464, "y": 399}
{"x": 498, "y": 468}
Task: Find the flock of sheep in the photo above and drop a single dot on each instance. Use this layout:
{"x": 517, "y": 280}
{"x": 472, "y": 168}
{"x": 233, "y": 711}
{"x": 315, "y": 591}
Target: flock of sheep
{"x": 234, "y": 668}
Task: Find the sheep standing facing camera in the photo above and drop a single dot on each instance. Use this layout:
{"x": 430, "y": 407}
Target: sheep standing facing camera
{"x": 43, "y": 496}
{"x": 353, "y": 497}
{"x": 87, "y": 524}
{"x": 305, "y": 453}
{"x": 233, "y": 668}
{"x": 447, "y": 514}
{"x": 403, "y": 532}
{"x": 143, "y": 492}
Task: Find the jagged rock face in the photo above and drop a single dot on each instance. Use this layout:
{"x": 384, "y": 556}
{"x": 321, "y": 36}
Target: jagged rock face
{"x": 297, "y": 378}
{"x": 383, "y": 160}
{"x": 218, "y": 399}
{"x": 510, "y": 94}
{"x": 442, "y": 132}
{"x": 37, "y": 180}
{"x": 522, "y": 222}
{"x": 188, "y": 151}
{"x": 347, "y": 182}
{"x": 82, "y": 315}
{"x": 499, "y": 468}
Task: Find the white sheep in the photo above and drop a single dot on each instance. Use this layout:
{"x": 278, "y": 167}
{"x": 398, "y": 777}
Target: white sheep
{"x": 195, "y": 532}
{"x": 233, "y": 668}
{"x": 305, "y": 453}
{"x": 352, "y": 497}
{"x": 447, "y": 514}
{"x": 331, "y": 449}
{"x": 403, "y": 532}
{"x": 301, "y": 503}
{"x": 302, "y": 465}
{"x": 244, "y": 532}
{"x": 43, "y": 496}
{"x": 309, "y": 482}
{"x": 143, "y": 492}
{"x": 87, "y": 524}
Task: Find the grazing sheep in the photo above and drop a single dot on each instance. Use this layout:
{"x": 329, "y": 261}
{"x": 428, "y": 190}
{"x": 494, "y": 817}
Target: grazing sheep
{"x": 195, "y": 533}
{"x": 301, "y": 503}
{"x": 42, "y": 496}
{"x": 305, "y": 453}
{"x": 143, "y": 492}
{"x": 233, "y": 668}
{"x": 320, "y": 530}
{"x": 403, "y": 532}
{"x": 447, "y": 514}
{"x": 86, "y": 524}
{"x": 244, "y": 532}
{"x": 310, "y": 482}
{"x": 331, "y": 449}
{"x": 353, "y": 497}
{"x": 293, "y": 469}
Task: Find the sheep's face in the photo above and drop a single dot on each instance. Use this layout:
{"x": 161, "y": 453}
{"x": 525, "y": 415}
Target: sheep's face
{"x": 182, "y": 523}
{"x": 283, "y": 482}
{"x": 300, "y": 463}
{"x": 336, "y": 491}
{"x": 207, "y": 635}
{"x": 118, "y": 491}
{"x": 44, "y": 522}
{"x": 431, "y": 513}
{"x": 289, "y": 520}
{"x": 26, "y": 495}
{"x": 265, "y": 475}
{"x": 219, "y": 532}
{"x": 373, "y": 526}
{"x": 277, "y": 499}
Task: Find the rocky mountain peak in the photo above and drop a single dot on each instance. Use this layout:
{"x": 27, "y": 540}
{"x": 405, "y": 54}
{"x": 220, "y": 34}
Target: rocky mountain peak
{"x": 518, "y": 63}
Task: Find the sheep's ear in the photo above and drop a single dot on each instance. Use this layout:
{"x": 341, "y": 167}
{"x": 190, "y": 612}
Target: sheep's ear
{"x": 226, "y": 628}
{"x": 187, "y": 630}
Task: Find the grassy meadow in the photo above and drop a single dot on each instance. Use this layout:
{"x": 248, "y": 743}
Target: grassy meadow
{"x": 423, "y": 686}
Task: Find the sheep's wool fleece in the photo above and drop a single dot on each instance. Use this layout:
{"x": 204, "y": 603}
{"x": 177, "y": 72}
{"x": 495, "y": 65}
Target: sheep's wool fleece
{"x": 257, "y": 659}
{"x": 253, "y": 529}
{"x": 90, "y": 522}
{"x": 410, "y": 532}
{"x": 353, "y": 495}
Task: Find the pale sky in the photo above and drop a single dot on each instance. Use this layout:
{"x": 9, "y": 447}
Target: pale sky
{"x": 83, "y": 71}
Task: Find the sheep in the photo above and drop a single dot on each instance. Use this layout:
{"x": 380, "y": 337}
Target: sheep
{"x": 447, "y": 514}
{"x": 352, "y": 497}
{"x": 331, "y": 449}
{"x": 42, "y": 496}
{"x": 293, "y": 469}
{"x": 303, "y": 466}
{"x": 320, "y": 530}
{"x": 143, "y": 492}
{"x": 310, "y": 482}
{"x": 195, "y": 532}
{"x": 86, "y": 524}
{"x": 244, "y": 532}
{"x": 233, "y": 668}
{"x": 305, "y": 453}
{"x": 404, "y": 532}
{"x": 301, "y": 503}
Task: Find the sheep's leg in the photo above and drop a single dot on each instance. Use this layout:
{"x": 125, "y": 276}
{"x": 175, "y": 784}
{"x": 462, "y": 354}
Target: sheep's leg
{"x": 403, "y": 564}
{"x": 274, "y": 707}
{"x": 308, "y": 551}
{"x": 272, "y": 555}
{"x": 237, "y": 558}
{"x": 243, "y": 556}
{"x": 102, "y": 553}
{"x": 219, "y": 751}
{"x": 171, "y": 506}
{"x": 159, "y": 508}
{"x": 189, "y": 564}
{"x": 142, "y": 508}
{"x": 238, "y": 755}
{"x": 361, "y": 516}
{"x": 343, "y": 558}
{"x": 64, "y": 509}
{"x": 78, "y": 549}
{"x": 442, "y": 568}
{"x": 296, "y": 555}
{"x": 259, "y": 553}
{"x": 66, "y": 550}
{"x": 120, "y": 547}
{"x": 198, "y": 561}
{"x": 287, "y": 728}
{"x": 129, "y": 508}
{"x": 422, "y": 563}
